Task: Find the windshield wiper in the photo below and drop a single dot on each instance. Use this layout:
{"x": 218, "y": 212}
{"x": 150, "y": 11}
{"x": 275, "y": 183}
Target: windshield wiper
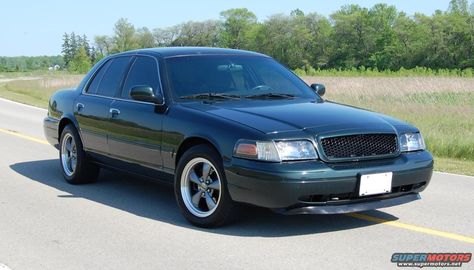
{"x": 210, "y": 95}
{"x": 270, "y": 95}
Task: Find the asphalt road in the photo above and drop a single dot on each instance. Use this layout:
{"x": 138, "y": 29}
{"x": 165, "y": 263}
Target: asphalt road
{"x": 128, "y": 223}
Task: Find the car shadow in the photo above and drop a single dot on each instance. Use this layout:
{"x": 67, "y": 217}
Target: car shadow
{"x": 155, "y": 201}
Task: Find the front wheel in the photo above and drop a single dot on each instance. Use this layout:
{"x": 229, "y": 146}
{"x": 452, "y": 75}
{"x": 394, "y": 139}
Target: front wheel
{"x": 201, "y": 188}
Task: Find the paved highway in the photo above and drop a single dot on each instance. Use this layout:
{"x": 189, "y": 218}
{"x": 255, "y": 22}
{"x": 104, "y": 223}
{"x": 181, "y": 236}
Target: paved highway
{"x": 122, "y": 222}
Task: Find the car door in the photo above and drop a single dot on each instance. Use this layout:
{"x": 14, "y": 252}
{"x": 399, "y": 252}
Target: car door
{"x": 92, "y": 106}
{"x": 135, "y": 126}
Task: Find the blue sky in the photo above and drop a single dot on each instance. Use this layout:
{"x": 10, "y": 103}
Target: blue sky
{"x": 36, "y": 27}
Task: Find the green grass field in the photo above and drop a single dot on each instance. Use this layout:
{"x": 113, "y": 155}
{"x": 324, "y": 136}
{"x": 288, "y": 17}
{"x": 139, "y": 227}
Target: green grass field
{"x": 441, "y": 107}
{"x": 35, "y": 88}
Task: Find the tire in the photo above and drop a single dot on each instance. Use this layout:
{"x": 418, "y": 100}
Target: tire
{"x": 76, "y": 167}
{"x": 197, "y": 194}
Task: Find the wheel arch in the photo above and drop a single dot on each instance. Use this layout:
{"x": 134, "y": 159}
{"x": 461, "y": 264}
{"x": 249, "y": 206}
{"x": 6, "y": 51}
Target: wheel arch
{"x": 65, "y": 120}
{"x": 193, "y": 141}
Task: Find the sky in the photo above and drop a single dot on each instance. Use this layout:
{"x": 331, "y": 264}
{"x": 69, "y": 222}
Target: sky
{"x": 33, "y": 28}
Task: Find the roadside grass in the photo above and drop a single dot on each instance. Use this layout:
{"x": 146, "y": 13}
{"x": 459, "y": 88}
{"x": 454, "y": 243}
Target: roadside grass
{"x": 441, "y": 107}
{"x": 374, "y": 72}
{"x": 457, "y": 166}
{"x": 35, "y": 89}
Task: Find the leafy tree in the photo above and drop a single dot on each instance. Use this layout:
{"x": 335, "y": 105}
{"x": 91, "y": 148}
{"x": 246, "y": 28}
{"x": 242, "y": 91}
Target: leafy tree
{"x": 198, "y": 34}
{"x": 165, "y": 36}
{"x": 104, "y": 44}
{"x": 353, "y": 35}
{"x": 410, "y": 41}
{"x": 145, "y": 38}
{"x": 81, "y": 62}
{"x": 124, "y": 38}
{"x": 459, "y": 7}
{"x": 238, "y": 23}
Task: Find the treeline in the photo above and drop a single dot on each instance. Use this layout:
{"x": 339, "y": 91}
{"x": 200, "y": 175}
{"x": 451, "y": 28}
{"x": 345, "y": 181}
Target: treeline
{"x": 379, "y": 38}
{"x": 30, "y": 63}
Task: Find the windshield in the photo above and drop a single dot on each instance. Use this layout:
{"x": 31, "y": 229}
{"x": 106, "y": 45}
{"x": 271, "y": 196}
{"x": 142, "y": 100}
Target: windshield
{"x": 230, "y": 77}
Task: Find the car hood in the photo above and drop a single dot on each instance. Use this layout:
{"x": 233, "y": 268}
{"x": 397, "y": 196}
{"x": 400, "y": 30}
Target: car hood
{"x": 292, "y": 115}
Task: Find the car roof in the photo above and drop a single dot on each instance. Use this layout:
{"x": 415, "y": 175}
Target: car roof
{"x": 185, "y": 51}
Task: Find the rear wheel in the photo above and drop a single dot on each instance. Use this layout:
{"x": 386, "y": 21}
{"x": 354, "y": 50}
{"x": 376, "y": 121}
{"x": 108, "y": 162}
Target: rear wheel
{"x": 201, "y": 188}
{"x": 76, "y": 168}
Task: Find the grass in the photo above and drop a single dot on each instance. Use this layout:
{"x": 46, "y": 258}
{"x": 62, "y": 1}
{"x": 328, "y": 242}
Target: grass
{"x": 465, "y": 167}
{"x": 441, "y": 107}
{"x": 35, "y": 89}
{"x": 369, "y": 72}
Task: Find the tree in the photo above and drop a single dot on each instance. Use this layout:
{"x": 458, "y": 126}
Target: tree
{"x": 67, "y": 49}
{"x": 382, "y": 18}
{"x": 144, "y": 38}
{"x": 165, "y": 36}
{"x": 198, "y": 34}
{"x": 410, "y": 41}
{"x": 124, "y": 38}
{"x": 353, "y": 35}
{"x": 320, "y": 46}
{"x": 238, "y": 23}
{"x": 458, "y": 7}
{"x": 72, "y": 43}
{"x": 81, "y": 62}
{"x": 84, "y": 43}
{"x": 104, "y": 44}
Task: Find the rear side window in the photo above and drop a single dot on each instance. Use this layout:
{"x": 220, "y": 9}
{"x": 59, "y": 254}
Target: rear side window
{"x": 144, "y": 71}
{"x": 113, "y": 76}
{"x": 94, "y": 85}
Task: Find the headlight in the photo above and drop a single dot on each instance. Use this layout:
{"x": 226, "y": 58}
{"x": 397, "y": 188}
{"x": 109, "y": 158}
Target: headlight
{"x": 411, "y": 142}
{"x": 275, "y": 151}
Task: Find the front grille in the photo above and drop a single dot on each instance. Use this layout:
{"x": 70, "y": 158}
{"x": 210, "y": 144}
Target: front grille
{"x": 359, "y": 146}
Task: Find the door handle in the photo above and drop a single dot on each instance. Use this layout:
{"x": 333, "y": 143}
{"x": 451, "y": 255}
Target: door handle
{"x": 114, "y": 112}
{"x": 79, "y": 107}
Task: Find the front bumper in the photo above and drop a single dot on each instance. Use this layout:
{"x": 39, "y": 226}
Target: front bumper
{"x": 326, "y": 188}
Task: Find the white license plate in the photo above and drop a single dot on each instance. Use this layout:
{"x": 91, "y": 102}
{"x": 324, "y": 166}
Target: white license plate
{"x": 378, "y": 183}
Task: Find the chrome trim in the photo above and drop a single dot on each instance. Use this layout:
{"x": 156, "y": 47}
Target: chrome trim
{"x": 114, "y": 111}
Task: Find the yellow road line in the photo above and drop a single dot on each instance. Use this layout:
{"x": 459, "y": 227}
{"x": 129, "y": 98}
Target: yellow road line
{"x": 397, "y": 224}
{"x": 414, "y": 228}
{"x": 30, "y": 138}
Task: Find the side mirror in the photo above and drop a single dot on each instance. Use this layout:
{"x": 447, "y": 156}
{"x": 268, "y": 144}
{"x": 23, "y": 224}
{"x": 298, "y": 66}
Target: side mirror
{"x": 145, "y": 93}
{"x": 320, "y": 89}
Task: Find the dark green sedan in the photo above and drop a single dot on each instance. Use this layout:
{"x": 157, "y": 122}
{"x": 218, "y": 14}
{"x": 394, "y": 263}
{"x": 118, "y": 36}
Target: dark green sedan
{"x": 229, "y": 127}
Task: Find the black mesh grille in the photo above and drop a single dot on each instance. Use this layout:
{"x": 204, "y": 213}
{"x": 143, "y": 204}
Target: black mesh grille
{"x": 360, "y": 146}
